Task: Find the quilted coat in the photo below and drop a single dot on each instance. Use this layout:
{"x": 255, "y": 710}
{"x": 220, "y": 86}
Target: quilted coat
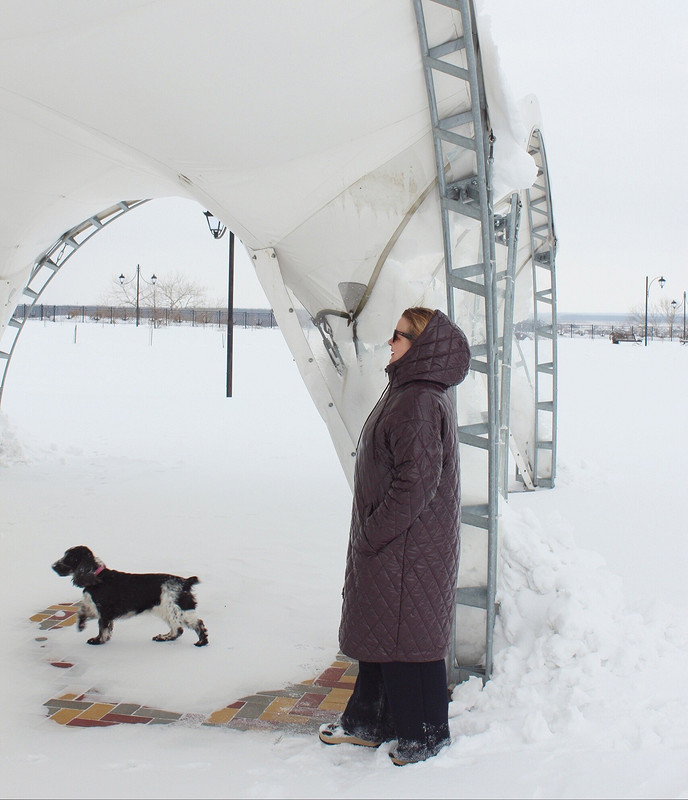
{"x": 403, "y": 554}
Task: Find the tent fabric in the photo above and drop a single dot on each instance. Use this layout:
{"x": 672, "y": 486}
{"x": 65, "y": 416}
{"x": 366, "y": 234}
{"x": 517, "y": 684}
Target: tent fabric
{"x": 303, "y": 126}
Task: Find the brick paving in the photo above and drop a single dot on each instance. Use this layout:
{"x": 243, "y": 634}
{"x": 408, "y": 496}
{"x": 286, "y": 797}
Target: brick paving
{"x": 298, "y": 707}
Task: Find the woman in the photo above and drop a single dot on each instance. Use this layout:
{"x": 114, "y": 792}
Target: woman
{"x": 402, "y": 560}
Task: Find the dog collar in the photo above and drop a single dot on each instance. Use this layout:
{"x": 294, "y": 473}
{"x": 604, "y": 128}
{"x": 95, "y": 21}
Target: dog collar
{"x": 100, "y": 569}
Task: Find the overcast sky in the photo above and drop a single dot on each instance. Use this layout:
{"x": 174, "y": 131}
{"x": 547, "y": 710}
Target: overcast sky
{"x": 611, "y": 77}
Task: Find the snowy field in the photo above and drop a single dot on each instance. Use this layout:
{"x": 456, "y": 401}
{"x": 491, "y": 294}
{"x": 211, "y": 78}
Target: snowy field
{"x": 132, "y": 449}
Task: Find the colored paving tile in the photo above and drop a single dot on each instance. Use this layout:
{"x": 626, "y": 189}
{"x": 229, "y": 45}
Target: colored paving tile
{"x": 60, "y": 615}
{"x": 297, "y": 707}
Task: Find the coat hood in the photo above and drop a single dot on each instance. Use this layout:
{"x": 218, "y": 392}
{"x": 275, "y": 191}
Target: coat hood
{"x": 440, "y": 354}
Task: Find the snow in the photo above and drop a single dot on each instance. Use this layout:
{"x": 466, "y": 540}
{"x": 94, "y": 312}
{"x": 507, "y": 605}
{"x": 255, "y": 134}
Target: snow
{"x": 128, "y": 445}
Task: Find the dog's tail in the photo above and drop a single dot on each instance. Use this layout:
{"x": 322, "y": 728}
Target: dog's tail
{"x": 189, "y": 582}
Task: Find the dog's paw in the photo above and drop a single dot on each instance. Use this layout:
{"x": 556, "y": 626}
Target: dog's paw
{"x": 201, "y": 643}
{"x": 81, "y": 624}
{"x": 95, "y": 640}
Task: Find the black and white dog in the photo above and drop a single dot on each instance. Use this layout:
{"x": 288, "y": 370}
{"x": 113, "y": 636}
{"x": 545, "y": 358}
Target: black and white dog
{"x": 110, "y": 595}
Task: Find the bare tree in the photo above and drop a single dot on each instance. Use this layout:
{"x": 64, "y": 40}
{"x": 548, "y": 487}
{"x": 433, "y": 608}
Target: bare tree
{"x": 667, "y": 310}
{"x": 174, "y": 293}
{"x": 124, "y": 294}
{"x": 177, "y": 292}
{"x": 636, "y": 317}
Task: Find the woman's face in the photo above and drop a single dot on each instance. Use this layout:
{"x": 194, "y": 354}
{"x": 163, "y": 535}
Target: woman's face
{"x": 400, "y": 344}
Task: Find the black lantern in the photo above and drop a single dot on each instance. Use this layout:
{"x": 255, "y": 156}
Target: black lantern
{"x": 215, "y": 226}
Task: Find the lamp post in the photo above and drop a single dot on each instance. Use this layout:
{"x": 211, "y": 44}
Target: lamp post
{"x": 648, "y": 283}
{"x": 138, "y": 278}
{"x": 675, "y": 305}
{"x": 218, "y": 230}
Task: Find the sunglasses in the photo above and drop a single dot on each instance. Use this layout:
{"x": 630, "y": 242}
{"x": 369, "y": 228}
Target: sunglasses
{"x": 408, "y": 336}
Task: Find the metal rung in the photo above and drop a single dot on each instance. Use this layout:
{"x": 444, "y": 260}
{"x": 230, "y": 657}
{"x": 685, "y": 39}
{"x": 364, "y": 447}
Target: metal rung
{"x": 465, "y": 209}
{"x": 30, "y": 293}
{"x": 477, "y": 428}
{"x": 4, "y": 355}
{"x": 545, "y": 445}
{"x": 456, "y": 121}
{"x": 448, "y": 69}
{"x": 467, "y": 286}
{"x": 546, "y": 405}
{"x": 479, "y": 366}
{"x": 14, "y": 323}
{"x": 452, "y": 46}
{"x": 455, "y": 138}
{"x": 545, "y": 296}
{"x": 469, "y": 271}
{"x": 465, "y": 672}
{"x": 475, "y": 516}
{"x": 548, "y": 333}
{"x": 548, "y": 367}
{"x": 474, "y": 596}
{"x": 449, "y": 3}
{"x": 474, "y": 441}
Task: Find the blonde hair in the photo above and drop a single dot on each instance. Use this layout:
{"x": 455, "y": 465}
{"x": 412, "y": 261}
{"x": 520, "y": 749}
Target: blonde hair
{"x": 418, "y": 319}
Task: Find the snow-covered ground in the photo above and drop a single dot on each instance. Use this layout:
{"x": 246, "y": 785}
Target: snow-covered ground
{"x": 133, "y": 450}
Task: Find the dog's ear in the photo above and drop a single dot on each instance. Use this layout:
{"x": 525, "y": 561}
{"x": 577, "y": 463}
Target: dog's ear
{"x": 85, "y": 575}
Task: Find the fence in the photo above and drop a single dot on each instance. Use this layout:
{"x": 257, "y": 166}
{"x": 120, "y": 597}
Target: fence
{"x": 242, "y": 317}
{"x": 666, "y": 332}
{"x": 264, "y": 318}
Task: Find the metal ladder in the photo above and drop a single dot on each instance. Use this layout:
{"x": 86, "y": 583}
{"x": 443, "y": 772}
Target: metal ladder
{"x": 490, "y": 279}
{"x": 544, "y": 248}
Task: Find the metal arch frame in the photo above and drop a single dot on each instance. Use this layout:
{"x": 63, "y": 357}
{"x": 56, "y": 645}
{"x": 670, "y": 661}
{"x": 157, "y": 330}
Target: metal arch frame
{"x": 49, "y": 263}
{"x": 544, "y": 249}
{"x": 472, "y": 197}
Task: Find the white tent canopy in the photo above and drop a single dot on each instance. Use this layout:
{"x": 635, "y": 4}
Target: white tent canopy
{"x": 305, "y": 127}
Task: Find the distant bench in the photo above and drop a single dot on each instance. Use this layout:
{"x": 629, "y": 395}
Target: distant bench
{"x": 623, "y": 336}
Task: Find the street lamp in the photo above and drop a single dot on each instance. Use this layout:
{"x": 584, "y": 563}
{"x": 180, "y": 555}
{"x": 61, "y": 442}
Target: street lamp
{"x": 214, "y": 225}
{"x": 648, "y": 283}
{"x": 218, "y": 230}
{"x": 675, "y": 305}
{"x": 138, "y": 279}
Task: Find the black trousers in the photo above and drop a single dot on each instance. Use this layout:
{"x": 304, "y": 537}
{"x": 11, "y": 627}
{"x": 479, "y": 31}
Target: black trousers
{"x": 401, "y": 700}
